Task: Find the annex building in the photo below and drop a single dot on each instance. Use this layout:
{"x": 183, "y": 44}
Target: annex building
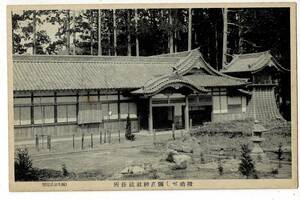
{"x": 65, "y": 95}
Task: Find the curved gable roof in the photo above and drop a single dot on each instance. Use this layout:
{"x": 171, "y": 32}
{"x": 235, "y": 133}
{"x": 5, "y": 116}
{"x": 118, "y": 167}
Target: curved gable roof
{"x": 252, "y": 62}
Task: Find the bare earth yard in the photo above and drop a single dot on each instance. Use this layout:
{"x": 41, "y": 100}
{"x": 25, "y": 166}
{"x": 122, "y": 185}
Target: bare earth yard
{"x": 106, "y": 161}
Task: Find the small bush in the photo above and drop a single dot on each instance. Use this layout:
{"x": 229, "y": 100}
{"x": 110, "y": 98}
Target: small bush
{"x": 23, "y": 167}
{"x": 246, "y": 166}
{"x": 274, "y": 171}
{"x": 128, "y": 133}
{"x": 202, "y": 160}
{"x": 220, "y": 168}
{"x": 64, "y": 170}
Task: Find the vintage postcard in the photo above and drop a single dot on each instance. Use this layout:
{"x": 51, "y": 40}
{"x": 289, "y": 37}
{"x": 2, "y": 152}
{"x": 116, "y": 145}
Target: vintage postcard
{"x": 152, "y": 96}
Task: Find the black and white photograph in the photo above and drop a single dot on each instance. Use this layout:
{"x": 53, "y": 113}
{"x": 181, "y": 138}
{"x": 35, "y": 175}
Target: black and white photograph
{"x": 152, "y": 97}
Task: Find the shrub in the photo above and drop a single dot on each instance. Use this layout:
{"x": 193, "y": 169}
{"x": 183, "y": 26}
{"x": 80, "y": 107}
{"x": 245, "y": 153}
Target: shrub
{"x": 128, "y": 133}
{"x": 246, "y": 166}
{"x": 64, "y": 170}
{"x": 220, "y": 168}
{"x": 23, "y": 167}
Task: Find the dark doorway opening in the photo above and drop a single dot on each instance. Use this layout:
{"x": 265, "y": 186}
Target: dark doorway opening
{"x": 163, "y": 117}
{"x": 198, "y": 114}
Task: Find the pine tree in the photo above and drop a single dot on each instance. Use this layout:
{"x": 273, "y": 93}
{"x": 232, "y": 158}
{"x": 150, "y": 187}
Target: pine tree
{"x": 23, "y": 167}
{"x": 246, "y": 166}
{"x": 128, "y": 133}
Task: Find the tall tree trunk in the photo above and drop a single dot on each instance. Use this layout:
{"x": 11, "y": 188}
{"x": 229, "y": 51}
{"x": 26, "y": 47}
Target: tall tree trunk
{"x": 240, "y": 36}
{"x": 99, "y": 34}
{"x": 136, "y": 31}
{"x": 190, "y": 30}
{"x": 115, "y": 32}
{"x": 171, "y": 37}
{"x": 129, "y": 34}
{"x": 68, "y": 31}
{"x": 74, "y": 32}
{"x": 92, "y": 34}
{"x": 34, "y": 33}
{"x": 175, "y": 31}
{"x": 225, "y": 30}
{"x": 217, "y": 46}
{"x": 176, "y": 42}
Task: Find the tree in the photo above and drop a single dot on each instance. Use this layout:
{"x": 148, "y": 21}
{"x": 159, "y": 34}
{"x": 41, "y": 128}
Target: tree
{"x": 128, "y": 133}
{"x": 137, "y": 48}
{"x": 246, "y": 167}
{"x": 225, "y": 30}
{"x": 190, "y": 30}
{"x": 25, "y": 32}
{"x": 23, "y": 166}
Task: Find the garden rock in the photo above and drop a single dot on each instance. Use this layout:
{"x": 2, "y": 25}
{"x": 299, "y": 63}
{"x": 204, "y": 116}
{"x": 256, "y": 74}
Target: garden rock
{"x": 181, "y": 161}
{"x": 169, "y": 155}
{"x": 134, "y": 170}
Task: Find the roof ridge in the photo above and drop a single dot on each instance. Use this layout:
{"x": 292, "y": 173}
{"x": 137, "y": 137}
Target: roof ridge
{"x": 253, "y": 53}
{"x": 84, "y": 58}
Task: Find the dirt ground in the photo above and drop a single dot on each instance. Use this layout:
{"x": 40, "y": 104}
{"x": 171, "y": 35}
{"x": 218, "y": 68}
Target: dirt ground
{"x": 106, "y": 161}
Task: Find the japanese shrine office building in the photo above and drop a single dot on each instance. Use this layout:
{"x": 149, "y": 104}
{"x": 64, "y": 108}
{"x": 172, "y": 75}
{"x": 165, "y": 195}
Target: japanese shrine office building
{"x": 66, "y": 95}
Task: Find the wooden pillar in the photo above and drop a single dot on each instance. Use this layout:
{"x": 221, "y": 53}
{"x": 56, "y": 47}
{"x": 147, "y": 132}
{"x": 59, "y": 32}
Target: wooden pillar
{"x": 186, "y": 114}
{"x": 150, "y": 118}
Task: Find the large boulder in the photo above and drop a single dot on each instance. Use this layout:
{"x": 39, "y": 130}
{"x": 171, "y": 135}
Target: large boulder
{"x": 181, "y": 148}
{"x": 181, "y": 161}
{"x": 169, "y": 155}
{"x": 134, "y": 170}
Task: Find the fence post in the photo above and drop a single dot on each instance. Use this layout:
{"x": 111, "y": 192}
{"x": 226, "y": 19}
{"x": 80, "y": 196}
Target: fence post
{"x": 105, "y": 136}
{"x": 119, "y": 133}
{"x": 191, "y": 123}
{"x": 73, "y": 141}
{"x": 173, "y": 131}
{"x": 109, "y": 137}
{"x": 154, "y": 137}
{"x": 37, "y": 142}
{"x": 92, "y": 144}
{"x": 100, "y": 136}
{"x": 42, "y": 141}
{"x": 49, "y": 142}
{"x": 82, "y": 140}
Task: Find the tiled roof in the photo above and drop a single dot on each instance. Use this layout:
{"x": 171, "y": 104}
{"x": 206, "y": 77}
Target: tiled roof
{"x": 213, "y": 81}
{"x": 86, "y": 72}
{"x": 252, "y": 62}
{"x": 263, "y": 105}
{"x": 44, "y": 72}
{"x": 156, "y": 85}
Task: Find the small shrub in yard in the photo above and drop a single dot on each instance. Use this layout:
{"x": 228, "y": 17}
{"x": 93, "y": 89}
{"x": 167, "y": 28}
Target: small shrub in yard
{"x": 128, "y": 133}
{"x": 246, "y": 166}
{"x": 220, "y": 168}
{"x": 64, "y": 170}
{"x": 23, "y": 166}
{"x": 279, "y": 153}
{"x": 274, "y": 171}
{"x": 202, "y": 160}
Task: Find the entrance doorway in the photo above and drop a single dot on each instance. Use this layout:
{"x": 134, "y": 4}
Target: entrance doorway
{"x": 163, "y": 117}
